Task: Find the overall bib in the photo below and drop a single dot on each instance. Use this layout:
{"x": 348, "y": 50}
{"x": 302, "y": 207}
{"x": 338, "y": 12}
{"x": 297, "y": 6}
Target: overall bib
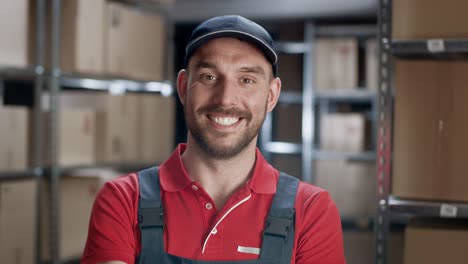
{"x": 278, "y": 236}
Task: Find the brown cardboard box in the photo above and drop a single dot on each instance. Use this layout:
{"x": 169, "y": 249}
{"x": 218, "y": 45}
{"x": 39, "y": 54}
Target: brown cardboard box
{"x": 359, "y": 247}
{"x": 17, "y": 221}
{"x": 434, "y": 246}
{"x": 14, "y": 31}
{"x": 430, "y": 140}
{"x": 372, "y": 65}
{"x": 135, "y": 43}
{"x": 81, "y": 35}
{"x": 117, "y": 130}
{"x": 351, "y": 185}
{"x": 157, "y": 125}
{"x": 76, "y": 137}
{"x": 336, "y": 63}
{"x": 77, "y": 194}
{"x": 344, "y": 132}
{"x": 422, "y": 19}
{"x": 14, "y": 138}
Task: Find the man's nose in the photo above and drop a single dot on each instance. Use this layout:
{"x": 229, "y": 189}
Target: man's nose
{"x": 226, "y": 93}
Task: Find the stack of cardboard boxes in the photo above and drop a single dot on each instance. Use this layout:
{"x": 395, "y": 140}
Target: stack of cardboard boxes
{"x": 430, "y": 131}
{"x": 14, "y": 137}
{"x": 98, "y": 38}
{"x": 351, "y": 184}
{"x": 18, "y": 216}
{"x": 96, "y": 128}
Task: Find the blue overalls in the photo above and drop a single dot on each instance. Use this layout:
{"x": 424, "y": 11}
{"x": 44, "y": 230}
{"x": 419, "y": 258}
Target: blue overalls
{"x": 278, "y": 236}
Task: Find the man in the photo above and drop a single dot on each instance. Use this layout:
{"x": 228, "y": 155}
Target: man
{"x": 216, "y": 198}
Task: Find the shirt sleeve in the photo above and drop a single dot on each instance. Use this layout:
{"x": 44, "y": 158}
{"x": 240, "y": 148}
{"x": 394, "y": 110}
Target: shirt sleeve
{"x": 320, "y": 237}
{"x": 112, "y": 232}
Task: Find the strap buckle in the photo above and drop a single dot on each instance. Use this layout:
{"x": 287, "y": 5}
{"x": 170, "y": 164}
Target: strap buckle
{"x": 150, "y": 217}
{"x": 279, "y": 226}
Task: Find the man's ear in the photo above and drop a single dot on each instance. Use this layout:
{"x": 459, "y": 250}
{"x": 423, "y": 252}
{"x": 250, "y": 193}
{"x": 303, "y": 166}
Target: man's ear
{"x": 273, "y": 93}
{"x": 182, "y": 85}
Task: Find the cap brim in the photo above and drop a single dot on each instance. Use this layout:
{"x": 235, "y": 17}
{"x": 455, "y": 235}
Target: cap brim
{"x": 267, "y": 50}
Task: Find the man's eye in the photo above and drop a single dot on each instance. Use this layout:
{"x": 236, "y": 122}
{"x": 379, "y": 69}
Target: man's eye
{"x": 209, "y": 77}
{"x": 246, "y": 80}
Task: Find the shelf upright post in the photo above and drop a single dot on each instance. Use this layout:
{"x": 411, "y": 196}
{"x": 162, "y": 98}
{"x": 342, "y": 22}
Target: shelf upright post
{"x": 169, "y": 56}
{"x": 308, "y": 115}
{"x": 38, "y": 124}
{"x": 384, "y": 137}
{"x": 54, "y": 135}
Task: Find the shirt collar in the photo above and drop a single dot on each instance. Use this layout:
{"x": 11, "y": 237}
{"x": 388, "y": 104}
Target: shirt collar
{"x": 174, "y": 177}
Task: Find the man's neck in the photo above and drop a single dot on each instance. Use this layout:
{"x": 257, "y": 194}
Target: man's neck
{"x": 219, "y": 177}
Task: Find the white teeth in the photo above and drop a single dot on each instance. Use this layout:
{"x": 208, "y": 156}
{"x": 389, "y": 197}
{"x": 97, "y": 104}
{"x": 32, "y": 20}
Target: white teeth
{"x": 225, "y": 121}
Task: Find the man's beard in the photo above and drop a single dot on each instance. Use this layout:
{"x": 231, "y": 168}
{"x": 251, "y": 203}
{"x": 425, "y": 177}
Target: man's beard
{"x": 214, "y": 149}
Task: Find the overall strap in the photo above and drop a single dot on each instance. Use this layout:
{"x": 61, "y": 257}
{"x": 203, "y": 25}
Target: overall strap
{"x": 150, "y": 217}
{"x": 278, "y": 236}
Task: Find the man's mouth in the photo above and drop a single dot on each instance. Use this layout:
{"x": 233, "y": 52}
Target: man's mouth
{"x": 224, "y": 120}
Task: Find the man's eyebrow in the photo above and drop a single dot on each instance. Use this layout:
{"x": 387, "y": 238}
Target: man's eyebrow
{"x": 204, "y": 64}
{"x": 253, "y": 69}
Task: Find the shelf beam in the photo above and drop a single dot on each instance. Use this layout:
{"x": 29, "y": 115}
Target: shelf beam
{"x": 430, "y": 49}
{"x": 429, "y": 209}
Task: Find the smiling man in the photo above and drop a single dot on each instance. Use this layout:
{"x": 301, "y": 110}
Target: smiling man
{"x": 216, "y": 198}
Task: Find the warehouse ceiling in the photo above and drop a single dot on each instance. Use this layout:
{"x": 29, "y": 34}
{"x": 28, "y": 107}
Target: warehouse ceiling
{"x": 194, "y": 10}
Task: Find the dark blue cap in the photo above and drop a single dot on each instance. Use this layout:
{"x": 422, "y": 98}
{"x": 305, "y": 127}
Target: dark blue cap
{"x": 235, "y": 27}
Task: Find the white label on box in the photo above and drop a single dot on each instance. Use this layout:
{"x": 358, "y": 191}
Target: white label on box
{"x": 435, "y": 45}
{"x": 449, "y": 211}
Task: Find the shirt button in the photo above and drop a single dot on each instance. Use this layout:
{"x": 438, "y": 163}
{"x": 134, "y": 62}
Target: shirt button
{"x": 214, "y": 231}
{"x": 208, "y": 206}
{"x": 194, "y": 187}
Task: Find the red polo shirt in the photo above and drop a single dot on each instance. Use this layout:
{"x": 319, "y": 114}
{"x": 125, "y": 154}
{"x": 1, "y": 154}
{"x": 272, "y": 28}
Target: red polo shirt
{"x": 195, "y": 229}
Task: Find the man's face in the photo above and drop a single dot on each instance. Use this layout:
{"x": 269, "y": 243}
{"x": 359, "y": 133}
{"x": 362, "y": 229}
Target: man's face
{"x": 227, "y": 90}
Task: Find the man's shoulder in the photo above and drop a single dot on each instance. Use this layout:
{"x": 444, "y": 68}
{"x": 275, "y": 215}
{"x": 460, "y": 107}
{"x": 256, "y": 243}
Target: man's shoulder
{"x": 127, "y": 183}
{"x": 307, "y": 193}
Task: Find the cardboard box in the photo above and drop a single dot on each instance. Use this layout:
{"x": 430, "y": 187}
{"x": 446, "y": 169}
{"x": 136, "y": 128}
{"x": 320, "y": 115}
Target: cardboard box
{"x": 14, "y": 138}
{"x": 352, "y": 186}
{"x": 435, "y": 245}
{"x": 336, "y": 63}
{"x": 135, "y": 43}
{"x": 14, "y": 20}
{"x": 422, "y": 19}
{"x": 117, "y": 130}
{"x": 372, "y": 64}
{"x": 359, "y": 247}
{"x": 76, "y": 198}
{"x": 81, "y": 36}
{"x": 343, "y": 132}
{"x": 430, "y": 139}
{"x": 157, "y": 125}
{"x": 76, "y": 137}
{"x": 17, "y": 221}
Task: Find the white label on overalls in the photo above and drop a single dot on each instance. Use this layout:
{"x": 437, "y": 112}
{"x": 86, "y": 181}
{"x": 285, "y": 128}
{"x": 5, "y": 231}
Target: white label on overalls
{"x": 250, "y": 250}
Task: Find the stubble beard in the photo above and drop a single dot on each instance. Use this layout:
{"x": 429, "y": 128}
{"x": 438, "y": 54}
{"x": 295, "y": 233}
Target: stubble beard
{"x": 215, "y": 149}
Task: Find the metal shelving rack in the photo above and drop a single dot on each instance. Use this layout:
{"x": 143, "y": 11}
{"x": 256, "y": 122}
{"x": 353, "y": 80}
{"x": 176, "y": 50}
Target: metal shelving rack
{"x": 55, "y": 80}
{"x": 310, "y": 96}
{"x": 389, "y": 207}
